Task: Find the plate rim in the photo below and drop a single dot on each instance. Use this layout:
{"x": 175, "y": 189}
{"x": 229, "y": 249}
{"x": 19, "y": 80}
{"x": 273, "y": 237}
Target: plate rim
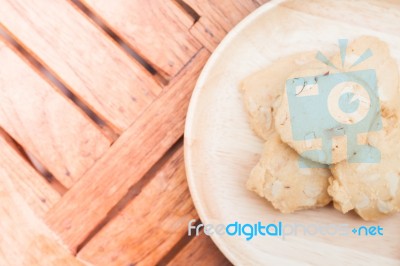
{"x": 205, "y": 72}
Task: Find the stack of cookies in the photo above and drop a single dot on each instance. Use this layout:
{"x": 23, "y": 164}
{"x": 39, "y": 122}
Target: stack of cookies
{"x": 297, "y": 173}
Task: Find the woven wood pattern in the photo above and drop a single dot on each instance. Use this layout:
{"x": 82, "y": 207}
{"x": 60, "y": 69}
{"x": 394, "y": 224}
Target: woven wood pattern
{"x": 94, "y": 95}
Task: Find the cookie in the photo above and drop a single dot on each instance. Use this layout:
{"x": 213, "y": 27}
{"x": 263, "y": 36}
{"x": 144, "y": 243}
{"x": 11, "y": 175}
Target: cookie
{"x": 262, "y": 89}
{"x": 385, "y": 65}
{"x": 309, "y": 142}
{"x": 371, "y": 189}
{"x": 278, "y": 178}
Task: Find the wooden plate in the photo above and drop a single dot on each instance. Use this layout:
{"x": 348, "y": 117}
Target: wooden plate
{"x": 221, "y": 149}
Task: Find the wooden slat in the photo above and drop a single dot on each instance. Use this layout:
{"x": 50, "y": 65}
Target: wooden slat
{"x": 200, "y": 251}
{"x": 130, "y": 157}
{"x": 92, "y": 65}
{"x": 25, "y": 240}
{"x": 226, "y": 13}
{"x": 37, "y": 193}
{"x": 45, "y": 122}
{"x": 150, "y": 225}
{"x": 218, "y": 17}
{"x": 156, "y": 29}
{"x": 208, "y": 33}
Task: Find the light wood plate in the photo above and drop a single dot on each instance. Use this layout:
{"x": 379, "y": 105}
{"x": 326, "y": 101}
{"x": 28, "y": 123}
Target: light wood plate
{"x": 221, "y": 149}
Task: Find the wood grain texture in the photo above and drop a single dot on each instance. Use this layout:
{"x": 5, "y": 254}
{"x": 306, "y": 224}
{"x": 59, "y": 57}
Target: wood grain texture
{"x": 83, "y": 56}
{"x": 34, "y": 189}
{"x": 156, "y": 29}
{"x": 200, "y": 251}
{"x": 25, "y": 240}
{"x": 150, "y": 225}
{"x": 208, "y": 33}
{"x": 79, "y": 54}
{"x": 130, "y": 157}
{"x": 218, "y": 17}
{"x": 45, "y": 122}
{"x": 225, "y": 13}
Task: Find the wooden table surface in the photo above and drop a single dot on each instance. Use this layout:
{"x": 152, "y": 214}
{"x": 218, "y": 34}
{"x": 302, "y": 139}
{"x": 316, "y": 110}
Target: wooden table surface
{"x": 94, "y": 95}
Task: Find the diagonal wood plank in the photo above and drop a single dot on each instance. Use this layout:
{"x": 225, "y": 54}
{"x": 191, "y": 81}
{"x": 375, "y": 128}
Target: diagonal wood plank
{"x": 218, "y": 18}
{"x": 200, "y": 251}
{"x": 150, "y": 225}
{"x": 130, "y": 157}
{"x": 208, "y": 33}
{"x": 156, "y": 29}
{"x": 25, "y": 239}
{"x": 226, "y": 13}
{"x": 36, "y": 192}
{"x": 89, "y": 62}
{"x": 45, "y": 122}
